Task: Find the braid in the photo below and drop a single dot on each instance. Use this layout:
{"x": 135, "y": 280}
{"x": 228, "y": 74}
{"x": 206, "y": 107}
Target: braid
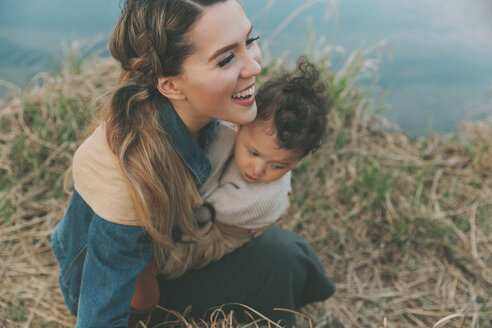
{"x": 151, "y": 40}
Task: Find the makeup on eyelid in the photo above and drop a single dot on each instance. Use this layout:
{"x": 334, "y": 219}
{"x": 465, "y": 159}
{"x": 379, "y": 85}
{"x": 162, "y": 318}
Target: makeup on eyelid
{"x": 230, "y": 56}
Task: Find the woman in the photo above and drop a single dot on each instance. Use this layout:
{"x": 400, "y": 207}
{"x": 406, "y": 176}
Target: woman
{"x": 186, "y": 63}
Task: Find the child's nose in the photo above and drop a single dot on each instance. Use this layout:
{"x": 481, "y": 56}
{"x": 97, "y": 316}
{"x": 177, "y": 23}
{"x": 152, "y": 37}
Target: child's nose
{"x": 258, "y": 169}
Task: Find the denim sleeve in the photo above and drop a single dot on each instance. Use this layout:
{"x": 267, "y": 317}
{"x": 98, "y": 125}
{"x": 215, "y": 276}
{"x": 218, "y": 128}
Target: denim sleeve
{"x": 116, "y": 254}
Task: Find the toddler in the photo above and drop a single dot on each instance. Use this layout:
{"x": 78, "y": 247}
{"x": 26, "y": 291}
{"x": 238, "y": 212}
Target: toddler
{"x": 251, "y": 164}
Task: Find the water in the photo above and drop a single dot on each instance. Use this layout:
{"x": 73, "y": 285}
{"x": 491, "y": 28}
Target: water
{"x": 436, "y": 67}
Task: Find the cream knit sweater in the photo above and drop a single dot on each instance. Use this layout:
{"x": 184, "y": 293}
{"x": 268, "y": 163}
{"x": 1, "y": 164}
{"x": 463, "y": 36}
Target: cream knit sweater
{"x": 248, "y": 205}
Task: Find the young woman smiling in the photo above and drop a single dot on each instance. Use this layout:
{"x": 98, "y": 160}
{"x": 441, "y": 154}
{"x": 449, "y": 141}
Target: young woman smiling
{"x": 185, "y": 63}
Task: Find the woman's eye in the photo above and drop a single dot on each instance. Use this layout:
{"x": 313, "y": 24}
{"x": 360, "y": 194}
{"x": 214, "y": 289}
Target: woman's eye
{"x": 252, "y": 153}
{"x": 252, "y": 39}
{"x": 226, "y": 60}
{"x": 279, "y": 167}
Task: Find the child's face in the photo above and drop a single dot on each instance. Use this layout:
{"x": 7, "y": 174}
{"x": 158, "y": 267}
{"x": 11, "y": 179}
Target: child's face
{"x": 257, "y": 155}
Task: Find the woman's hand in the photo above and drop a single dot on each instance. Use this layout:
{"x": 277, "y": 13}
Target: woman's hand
{"x": 259, "y": 231}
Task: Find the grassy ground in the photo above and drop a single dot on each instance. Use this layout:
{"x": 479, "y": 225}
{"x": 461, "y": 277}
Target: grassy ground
{"x": 401, "y": 224}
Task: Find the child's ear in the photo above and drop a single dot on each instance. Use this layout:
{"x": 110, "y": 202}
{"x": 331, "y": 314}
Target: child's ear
{"x": 169, "y": 88}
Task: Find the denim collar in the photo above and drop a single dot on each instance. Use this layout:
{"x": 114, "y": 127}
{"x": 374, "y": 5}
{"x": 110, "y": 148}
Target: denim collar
{"x": 189, "y": 150}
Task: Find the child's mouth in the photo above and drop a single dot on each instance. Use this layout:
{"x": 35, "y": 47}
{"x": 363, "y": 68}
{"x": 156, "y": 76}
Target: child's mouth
{"x": 249, "y": 178}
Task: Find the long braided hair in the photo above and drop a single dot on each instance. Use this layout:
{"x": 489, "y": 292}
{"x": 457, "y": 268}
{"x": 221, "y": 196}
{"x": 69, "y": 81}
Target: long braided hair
{"x": 151, "y": 40}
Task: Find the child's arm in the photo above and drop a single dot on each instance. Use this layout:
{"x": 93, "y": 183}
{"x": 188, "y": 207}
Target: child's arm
{"x": 259, "y": 231}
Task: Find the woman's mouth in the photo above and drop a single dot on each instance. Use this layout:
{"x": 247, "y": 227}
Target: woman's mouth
{"x": 245, "y": 97}
{"x": 245, "y": 93}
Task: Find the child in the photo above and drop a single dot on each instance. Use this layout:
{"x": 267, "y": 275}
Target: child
{"x": 248, "y": 188}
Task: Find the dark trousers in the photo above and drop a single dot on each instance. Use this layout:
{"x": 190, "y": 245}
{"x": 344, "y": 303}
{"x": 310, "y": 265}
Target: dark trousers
{"x": 279, "y": 269}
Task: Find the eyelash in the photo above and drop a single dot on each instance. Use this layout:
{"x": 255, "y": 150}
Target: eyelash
{"x": 226, "y": 60}
{"x": 252, "y": 39}
{"x": 275, "y": 166}
{"x": 231, "y": 56}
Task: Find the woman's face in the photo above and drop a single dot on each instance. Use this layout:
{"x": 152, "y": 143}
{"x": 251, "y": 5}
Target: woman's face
{"x": 218, "y": 78}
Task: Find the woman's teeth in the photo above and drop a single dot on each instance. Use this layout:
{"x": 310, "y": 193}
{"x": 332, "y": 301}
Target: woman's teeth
{"x": 245, "y": 93}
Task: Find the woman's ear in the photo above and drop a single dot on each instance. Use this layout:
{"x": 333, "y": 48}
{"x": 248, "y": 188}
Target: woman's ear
{"x": 168, "y": 87}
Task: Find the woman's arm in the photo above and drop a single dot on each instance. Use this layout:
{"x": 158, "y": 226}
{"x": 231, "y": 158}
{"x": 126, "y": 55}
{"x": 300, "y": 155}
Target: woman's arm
{"x": 116, "y": 254}
{"x": 102, "y": 228}
{"x": 99, "y": 262}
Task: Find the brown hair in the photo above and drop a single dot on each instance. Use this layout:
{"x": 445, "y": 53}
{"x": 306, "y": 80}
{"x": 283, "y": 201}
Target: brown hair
{"x": 151, "y": 40}
{"x": 297, "y": 103}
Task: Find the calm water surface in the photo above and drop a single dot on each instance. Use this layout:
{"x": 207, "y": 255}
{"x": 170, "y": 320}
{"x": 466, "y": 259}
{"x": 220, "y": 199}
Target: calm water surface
{"x": 436, "y": 68}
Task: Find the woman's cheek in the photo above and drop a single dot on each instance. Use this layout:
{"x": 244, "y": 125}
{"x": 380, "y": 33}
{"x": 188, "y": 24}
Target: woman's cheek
{"x": 231, "y": 81}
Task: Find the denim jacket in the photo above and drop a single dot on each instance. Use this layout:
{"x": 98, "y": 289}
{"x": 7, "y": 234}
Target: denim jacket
{"x": 100, "y": 260}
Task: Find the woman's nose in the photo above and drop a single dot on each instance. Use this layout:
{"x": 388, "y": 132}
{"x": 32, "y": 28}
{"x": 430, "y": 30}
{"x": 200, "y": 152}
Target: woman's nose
{"x": 252, "y": 64}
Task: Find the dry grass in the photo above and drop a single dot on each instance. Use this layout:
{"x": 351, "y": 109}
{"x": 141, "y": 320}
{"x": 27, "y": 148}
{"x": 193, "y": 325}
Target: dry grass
{"x": 38, "y": 137}
{"x": 402, "y": 225}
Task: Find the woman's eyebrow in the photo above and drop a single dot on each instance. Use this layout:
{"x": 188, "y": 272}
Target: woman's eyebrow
{"x": 227, "y": 48}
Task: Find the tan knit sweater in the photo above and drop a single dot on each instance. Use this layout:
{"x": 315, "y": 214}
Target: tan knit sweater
{"x": 239, "y": 203}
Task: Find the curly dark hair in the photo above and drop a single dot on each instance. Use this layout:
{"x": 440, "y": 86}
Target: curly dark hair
{"x": 298, "y": 103}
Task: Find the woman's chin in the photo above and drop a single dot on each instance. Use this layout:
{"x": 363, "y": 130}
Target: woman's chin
{"x": 244, "y": 114}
